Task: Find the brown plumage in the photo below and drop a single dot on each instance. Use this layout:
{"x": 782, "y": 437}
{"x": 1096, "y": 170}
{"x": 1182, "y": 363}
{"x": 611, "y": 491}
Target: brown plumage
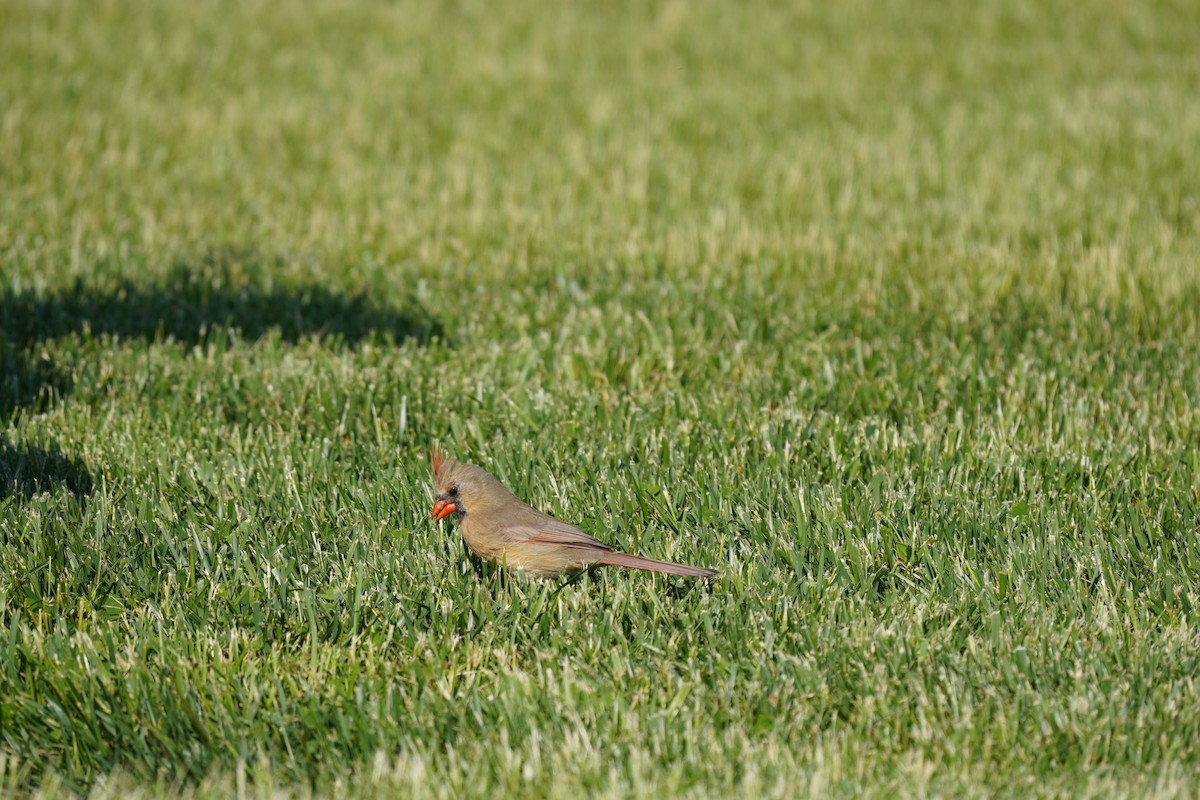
{"x": 500, "y": 528}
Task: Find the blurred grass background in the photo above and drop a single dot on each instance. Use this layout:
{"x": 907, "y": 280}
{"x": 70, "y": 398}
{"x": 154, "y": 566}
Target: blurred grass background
{"x": 889, "y": 310}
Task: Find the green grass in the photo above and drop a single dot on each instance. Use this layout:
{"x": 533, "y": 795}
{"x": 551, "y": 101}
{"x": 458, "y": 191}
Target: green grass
{"x": 891, "y": 311}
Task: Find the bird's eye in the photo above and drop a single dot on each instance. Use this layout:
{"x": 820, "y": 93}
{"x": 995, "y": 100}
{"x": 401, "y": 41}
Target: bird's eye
{"x": 453, "y": 491}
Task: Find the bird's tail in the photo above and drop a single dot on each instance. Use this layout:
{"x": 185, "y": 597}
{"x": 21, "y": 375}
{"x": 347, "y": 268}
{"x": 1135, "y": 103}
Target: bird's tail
{"x": 654, "y": 565}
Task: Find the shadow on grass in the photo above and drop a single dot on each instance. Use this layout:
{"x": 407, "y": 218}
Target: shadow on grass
{"x": 26, "y": 471}
{"x": 217, "y": 296}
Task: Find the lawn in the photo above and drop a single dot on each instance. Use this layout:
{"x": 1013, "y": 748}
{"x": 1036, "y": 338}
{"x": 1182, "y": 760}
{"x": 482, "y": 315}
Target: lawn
{"x": 890, "y": 311}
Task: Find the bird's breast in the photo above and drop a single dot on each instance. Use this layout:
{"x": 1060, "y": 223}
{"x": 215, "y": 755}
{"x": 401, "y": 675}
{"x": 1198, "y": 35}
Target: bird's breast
{"x": 483, "y": 540}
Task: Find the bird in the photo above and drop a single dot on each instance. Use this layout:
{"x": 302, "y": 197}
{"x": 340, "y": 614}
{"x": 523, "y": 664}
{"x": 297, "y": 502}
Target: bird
{"x": 500, "y": 528}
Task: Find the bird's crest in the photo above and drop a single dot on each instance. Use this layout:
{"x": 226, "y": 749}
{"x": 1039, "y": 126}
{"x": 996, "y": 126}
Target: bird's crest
{"x": 440, "y": 463}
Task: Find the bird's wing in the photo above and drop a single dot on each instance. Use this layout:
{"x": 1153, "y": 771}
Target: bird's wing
{"x": 550, "y": 531}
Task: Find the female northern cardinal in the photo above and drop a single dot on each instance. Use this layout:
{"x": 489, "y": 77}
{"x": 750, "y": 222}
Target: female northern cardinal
{"x": 500, "y": 528}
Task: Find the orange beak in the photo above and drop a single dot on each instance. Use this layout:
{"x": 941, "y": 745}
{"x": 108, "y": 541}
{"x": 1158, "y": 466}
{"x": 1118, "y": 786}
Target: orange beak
{"x": 443, "y": 509}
